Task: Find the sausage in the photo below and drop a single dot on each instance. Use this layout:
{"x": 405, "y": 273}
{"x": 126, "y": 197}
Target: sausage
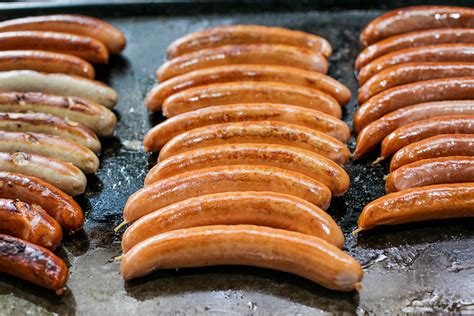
{"x": 52, "y": 125}
{"x": 255, "y": 208}
{"x": 416, "y": 131}
{"x": 44, "y": 61}
{"x": 95, "y": 116}
{"x": 277, "y": 249}
{"x": 110, "y": 36}
{"x": 425, "y": 172}
{"x": 247, "y": 34}
{"x": 160, "y": 134}
{"x": 32, "y": 190}
{"x": 413, "y": 72}
{"x": 375, "y": 132}
{"x": 285, "y": 157}
{"x": 260, "y": 54}
{"x": 458, "y": 52}
{"x": 32, "y": 263}
{"x": 29, "y": 222}
{"x": 433, "y": 202}
{"x": 256, "y": 132}
{"x": 60, "y": 84}
{"x": 416, "y": 18}
{"x": 414, "y": 39}
{"x": 250, "y": 92}
{"x": 224, "y": 179}
{"x": 433, "y": 147}
{"x": 83, "y": 47}
{"x": 412, "y": 93}
{"x": 50, "y": 146}
{"x": 237, "y": 73}
{"x": 62, "y": 175}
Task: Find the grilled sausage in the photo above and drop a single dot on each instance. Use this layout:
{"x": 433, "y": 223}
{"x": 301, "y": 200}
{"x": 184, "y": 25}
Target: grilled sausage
{"x": 247, "y": 34}
{"x": 256, "y": 132}
{"x": 413, "y": 93}
{"x": 433, "y": 147}
{"x": 112, "y": 38}
{"x": 32, "y": 263}
{"x": 254, "y": 208}
{"x": 35, "y": 191}
{"x": 62, "y": 175}
{"x": 285, "y": 157}
{"x": 250, "y": 92}
{"x": 83, "y": 47}
{"x": 95, "y": 116}
{"x": 277, "y": 249}
{"x": 416, "y": 18}
{"x": 50, "y": 146}
{"x": 260, "y": 54}
{"x": 237, "y": 73}
{"x": 375, "y": 132}
{"x": 224, "y": 179}
{"x": 60, "y": 84}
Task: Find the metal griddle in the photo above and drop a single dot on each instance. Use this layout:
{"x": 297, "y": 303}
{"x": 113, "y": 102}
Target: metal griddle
{"x": 411, "y": 268}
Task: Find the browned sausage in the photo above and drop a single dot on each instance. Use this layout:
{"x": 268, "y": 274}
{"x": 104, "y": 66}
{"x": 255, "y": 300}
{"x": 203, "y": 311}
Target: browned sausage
{"x": 254, "y": 208}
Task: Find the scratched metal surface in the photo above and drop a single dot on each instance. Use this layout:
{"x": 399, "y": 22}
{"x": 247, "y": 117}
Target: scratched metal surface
{"x": 416, "y": 268}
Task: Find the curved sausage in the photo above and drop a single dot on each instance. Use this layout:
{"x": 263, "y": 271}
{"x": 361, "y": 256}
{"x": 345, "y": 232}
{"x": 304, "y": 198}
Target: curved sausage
{"x": 267, "y": 132}
{"x": 60, "y": 84}
{"x": 112, "y": 38}
{"x": 412, "y": 72}
{"x": 50, "y": 146}
{"x": 375, "y": 132}
{"x": 277, "y": 249}
{"x": 260, "y": 54}
{"x": 35, "y": 191}
{"x": 412, "y": 93}
{"x": 250, "y": 92}
{"x": 29, "y": 222}
{"x": 254, "y": 208}
{"x": 247, "y": 34}
{"x": 32, "y": 263}
{"x": 237, "y": 73}
{"x": 425, "y": 172}
{"x": 224, "y": 179}
{"x": 416, "y": 18}
{"x": 433, "y": 147}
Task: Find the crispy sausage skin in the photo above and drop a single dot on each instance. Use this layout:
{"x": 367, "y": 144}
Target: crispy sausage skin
{"x": 44, "y": 61}
{"x": 160, "y": 134}
{"x": 375, "y": 132}
{"x": 416, "y": 18}
{"x": 285, "y": 157}
{"x": 247, "y": 34}
{"x": 412, "y": 93}
{"x": 95, "y": 116}
{"x": 29, "y": 222}
{"x": 254, "y": 208}
{"x": 35, "y": 191}
{"x": 441, "y": 201}
{"x": 413, "y": 72}
{"x": 256, "y": 132}
{"x": 250, "y": 92}
{"x": 237, "y": 73}
{"x": 112, "y": 38}
{"x": 32, "y": 263}
{"x": 416, "y": 131}
{"x": 454, "y": 169}
{"x": 224, "y": 179}
{"x": 260, "y": 54}
{"x": 278, "y": 249}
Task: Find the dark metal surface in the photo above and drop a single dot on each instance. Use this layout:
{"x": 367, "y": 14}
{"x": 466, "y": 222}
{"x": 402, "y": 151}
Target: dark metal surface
{"x": 413, "y": 268}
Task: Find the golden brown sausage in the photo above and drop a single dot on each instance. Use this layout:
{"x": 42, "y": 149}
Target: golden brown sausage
{"x": 254, "y": 208}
